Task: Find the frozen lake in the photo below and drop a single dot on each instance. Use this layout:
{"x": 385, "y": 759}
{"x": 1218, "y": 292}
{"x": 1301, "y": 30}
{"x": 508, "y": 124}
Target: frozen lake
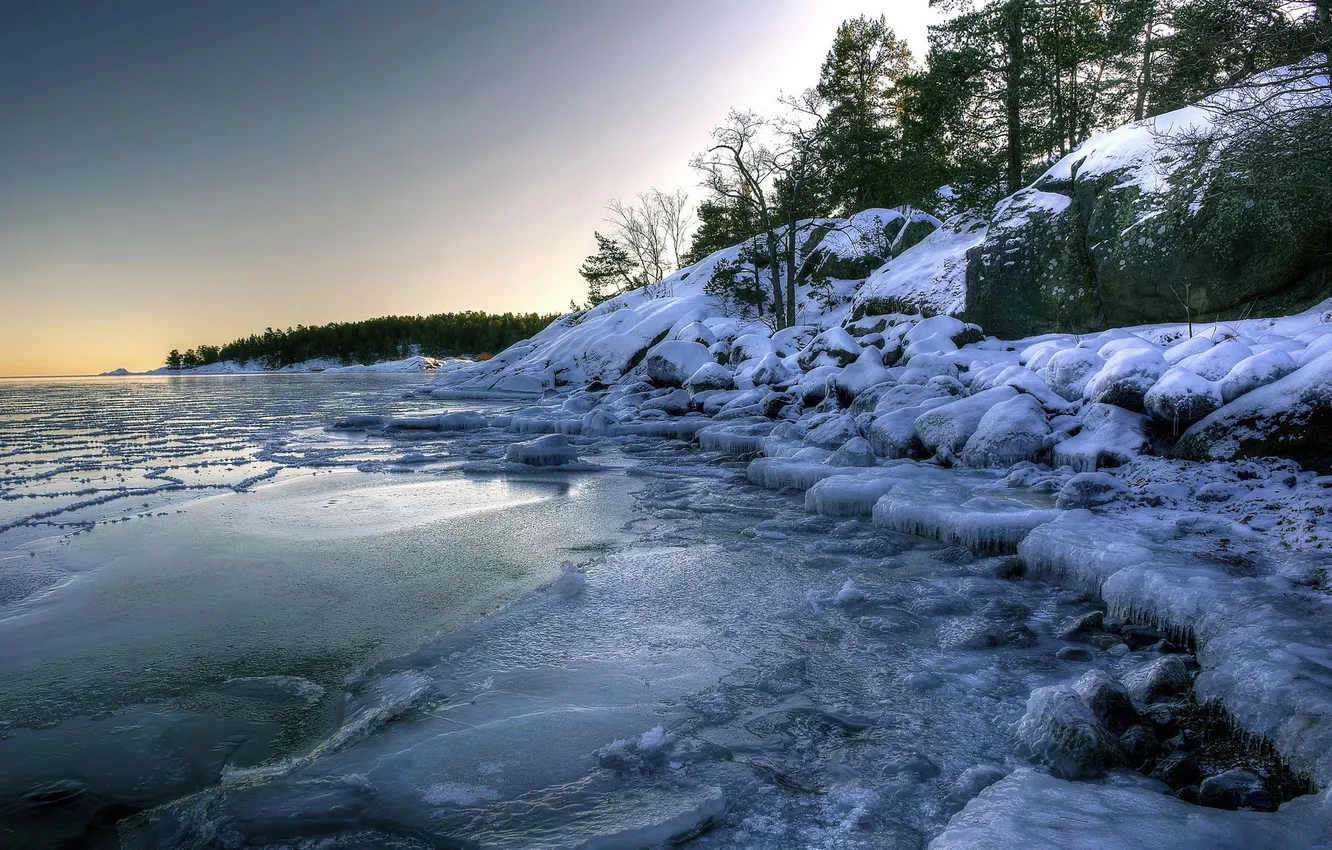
{"x": 190, "y": 567}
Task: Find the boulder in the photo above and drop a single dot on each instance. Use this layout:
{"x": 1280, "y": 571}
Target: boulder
{"x": 1108, "y": 700}
{"x": 1125, "y": 379}
{"x": 1010, "y": 432}
{"x": 1032, "y": 272}
{"x": 1182, "y": 397}
{"x": 867, "y": 371}
{"x": 948, "y": 427}
{"x": 1090, "y": 490}
{"x": 1236, "y": 788}
{"x": 1290, "y": 418}
{"x": 1216, "y": 362}
{"x": 672, "y": 362}
{"x": 1178, "y": 770}
{"x": 710, "y": 376}
{"x": 1061, "y": 731}
{"x": 833, "y": 433}
{"x": 1067, "y": 372}
{"x": 1256, "y": 371}
{"x": 1164, "y": 678}
{"x": 834, "y": 346}
{"x": 1135, "y": 227}
{"x": 697, "y": 332}
{"x": 771, "y": 370}
{"x": 854, "y": 452}
{"x": 1139, "y": 744}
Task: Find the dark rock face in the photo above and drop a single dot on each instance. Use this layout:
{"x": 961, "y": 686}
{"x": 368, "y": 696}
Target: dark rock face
{"x": 1236, "y": 789}
{"x": 1114, "y": 244}
{"x": 1108, "y": 701}
{"x": 1178, "y": 770}
{"x": 1032, "y": 272}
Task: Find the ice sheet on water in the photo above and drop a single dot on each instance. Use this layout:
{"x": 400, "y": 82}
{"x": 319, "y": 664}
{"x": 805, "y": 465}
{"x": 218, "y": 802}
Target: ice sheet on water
{"x": 962, "y": 513}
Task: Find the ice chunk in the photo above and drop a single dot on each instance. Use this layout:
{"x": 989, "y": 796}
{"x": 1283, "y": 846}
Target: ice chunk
{"x": 457, "y": 421}
{"x": 957, "y": 515}
{"x": 848, "y": 495}
{"x": 1034, "y": 811}
{"x": 1110, "y": 436}
{"x": 551, "y": 450}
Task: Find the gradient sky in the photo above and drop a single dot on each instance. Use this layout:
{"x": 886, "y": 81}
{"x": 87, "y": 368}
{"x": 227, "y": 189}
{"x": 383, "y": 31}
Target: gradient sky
{"x": 173, "y": 173}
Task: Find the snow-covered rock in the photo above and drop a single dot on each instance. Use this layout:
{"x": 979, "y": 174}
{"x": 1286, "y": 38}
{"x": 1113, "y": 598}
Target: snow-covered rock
{"x": 673, "y": 362}
{"x": 1182, "y": 396}
{"x": 948, "y": 427}
{"x": 1010, "y": 432}
{"x": 1290, "y": 417}
{"x": 1068, "y": 371}
{"x": 1125, "y": 378}
{"x": 710, "y": 376}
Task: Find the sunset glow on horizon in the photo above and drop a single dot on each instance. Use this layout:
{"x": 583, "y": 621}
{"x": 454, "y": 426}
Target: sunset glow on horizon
{"x": 190, "y": 173}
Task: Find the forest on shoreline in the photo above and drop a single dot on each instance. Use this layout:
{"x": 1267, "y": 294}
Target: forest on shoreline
{"x": 372, "y": 340}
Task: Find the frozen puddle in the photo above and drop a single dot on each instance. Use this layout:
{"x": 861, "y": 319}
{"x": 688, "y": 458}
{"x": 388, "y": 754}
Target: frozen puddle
{"x": 742, "y": 674}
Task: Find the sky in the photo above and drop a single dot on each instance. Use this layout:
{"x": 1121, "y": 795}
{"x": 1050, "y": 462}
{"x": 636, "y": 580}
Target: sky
{"x": 181, "y": 173}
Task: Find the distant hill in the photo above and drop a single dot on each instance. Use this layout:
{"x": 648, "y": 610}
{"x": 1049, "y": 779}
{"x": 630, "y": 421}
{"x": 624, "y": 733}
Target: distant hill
{"x": 371, "y": 340}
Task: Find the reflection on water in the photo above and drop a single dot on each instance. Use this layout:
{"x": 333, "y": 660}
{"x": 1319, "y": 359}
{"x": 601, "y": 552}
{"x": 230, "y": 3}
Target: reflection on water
{"x": 154, "y": 638}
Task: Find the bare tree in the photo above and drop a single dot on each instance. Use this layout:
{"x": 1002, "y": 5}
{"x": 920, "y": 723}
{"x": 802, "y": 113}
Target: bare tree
{"x": 653, "y": 228}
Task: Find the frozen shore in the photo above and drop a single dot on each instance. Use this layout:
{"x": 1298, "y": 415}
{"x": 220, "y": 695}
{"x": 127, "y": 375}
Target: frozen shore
{"x": 1140, "y": 468}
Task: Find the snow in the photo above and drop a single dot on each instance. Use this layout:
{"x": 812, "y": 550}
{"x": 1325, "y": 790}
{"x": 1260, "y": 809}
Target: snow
{"x": 1029, "y": 810}
{"x": 946, "y": 428}
{"x": 932, "y": 275}
{"x": 673, "y": 362}
{"x": 1010, "y": 432}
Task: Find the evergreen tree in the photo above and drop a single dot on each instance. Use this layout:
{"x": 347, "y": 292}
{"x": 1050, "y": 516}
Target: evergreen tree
{"x": 721, "y": 224}
{"x": 859, "y": 83}
{"x": 609, "y": 271}
{"x": 173, "y": 360}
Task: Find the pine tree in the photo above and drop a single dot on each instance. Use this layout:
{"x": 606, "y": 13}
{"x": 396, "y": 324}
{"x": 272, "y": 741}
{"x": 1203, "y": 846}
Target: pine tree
{"x": 609, "y": 271}
{"x": 859, "y": 83}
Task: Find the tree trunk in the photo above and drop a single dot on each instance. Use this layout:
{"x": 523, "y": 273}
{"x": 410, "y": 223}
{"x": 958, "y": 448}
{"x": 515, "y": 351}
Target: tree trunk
{"x": 779, "y": 309}
{"x": 792, "y": 241}
{"x": 1145, "y": 78}
{"x": 1012, "y": 13}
